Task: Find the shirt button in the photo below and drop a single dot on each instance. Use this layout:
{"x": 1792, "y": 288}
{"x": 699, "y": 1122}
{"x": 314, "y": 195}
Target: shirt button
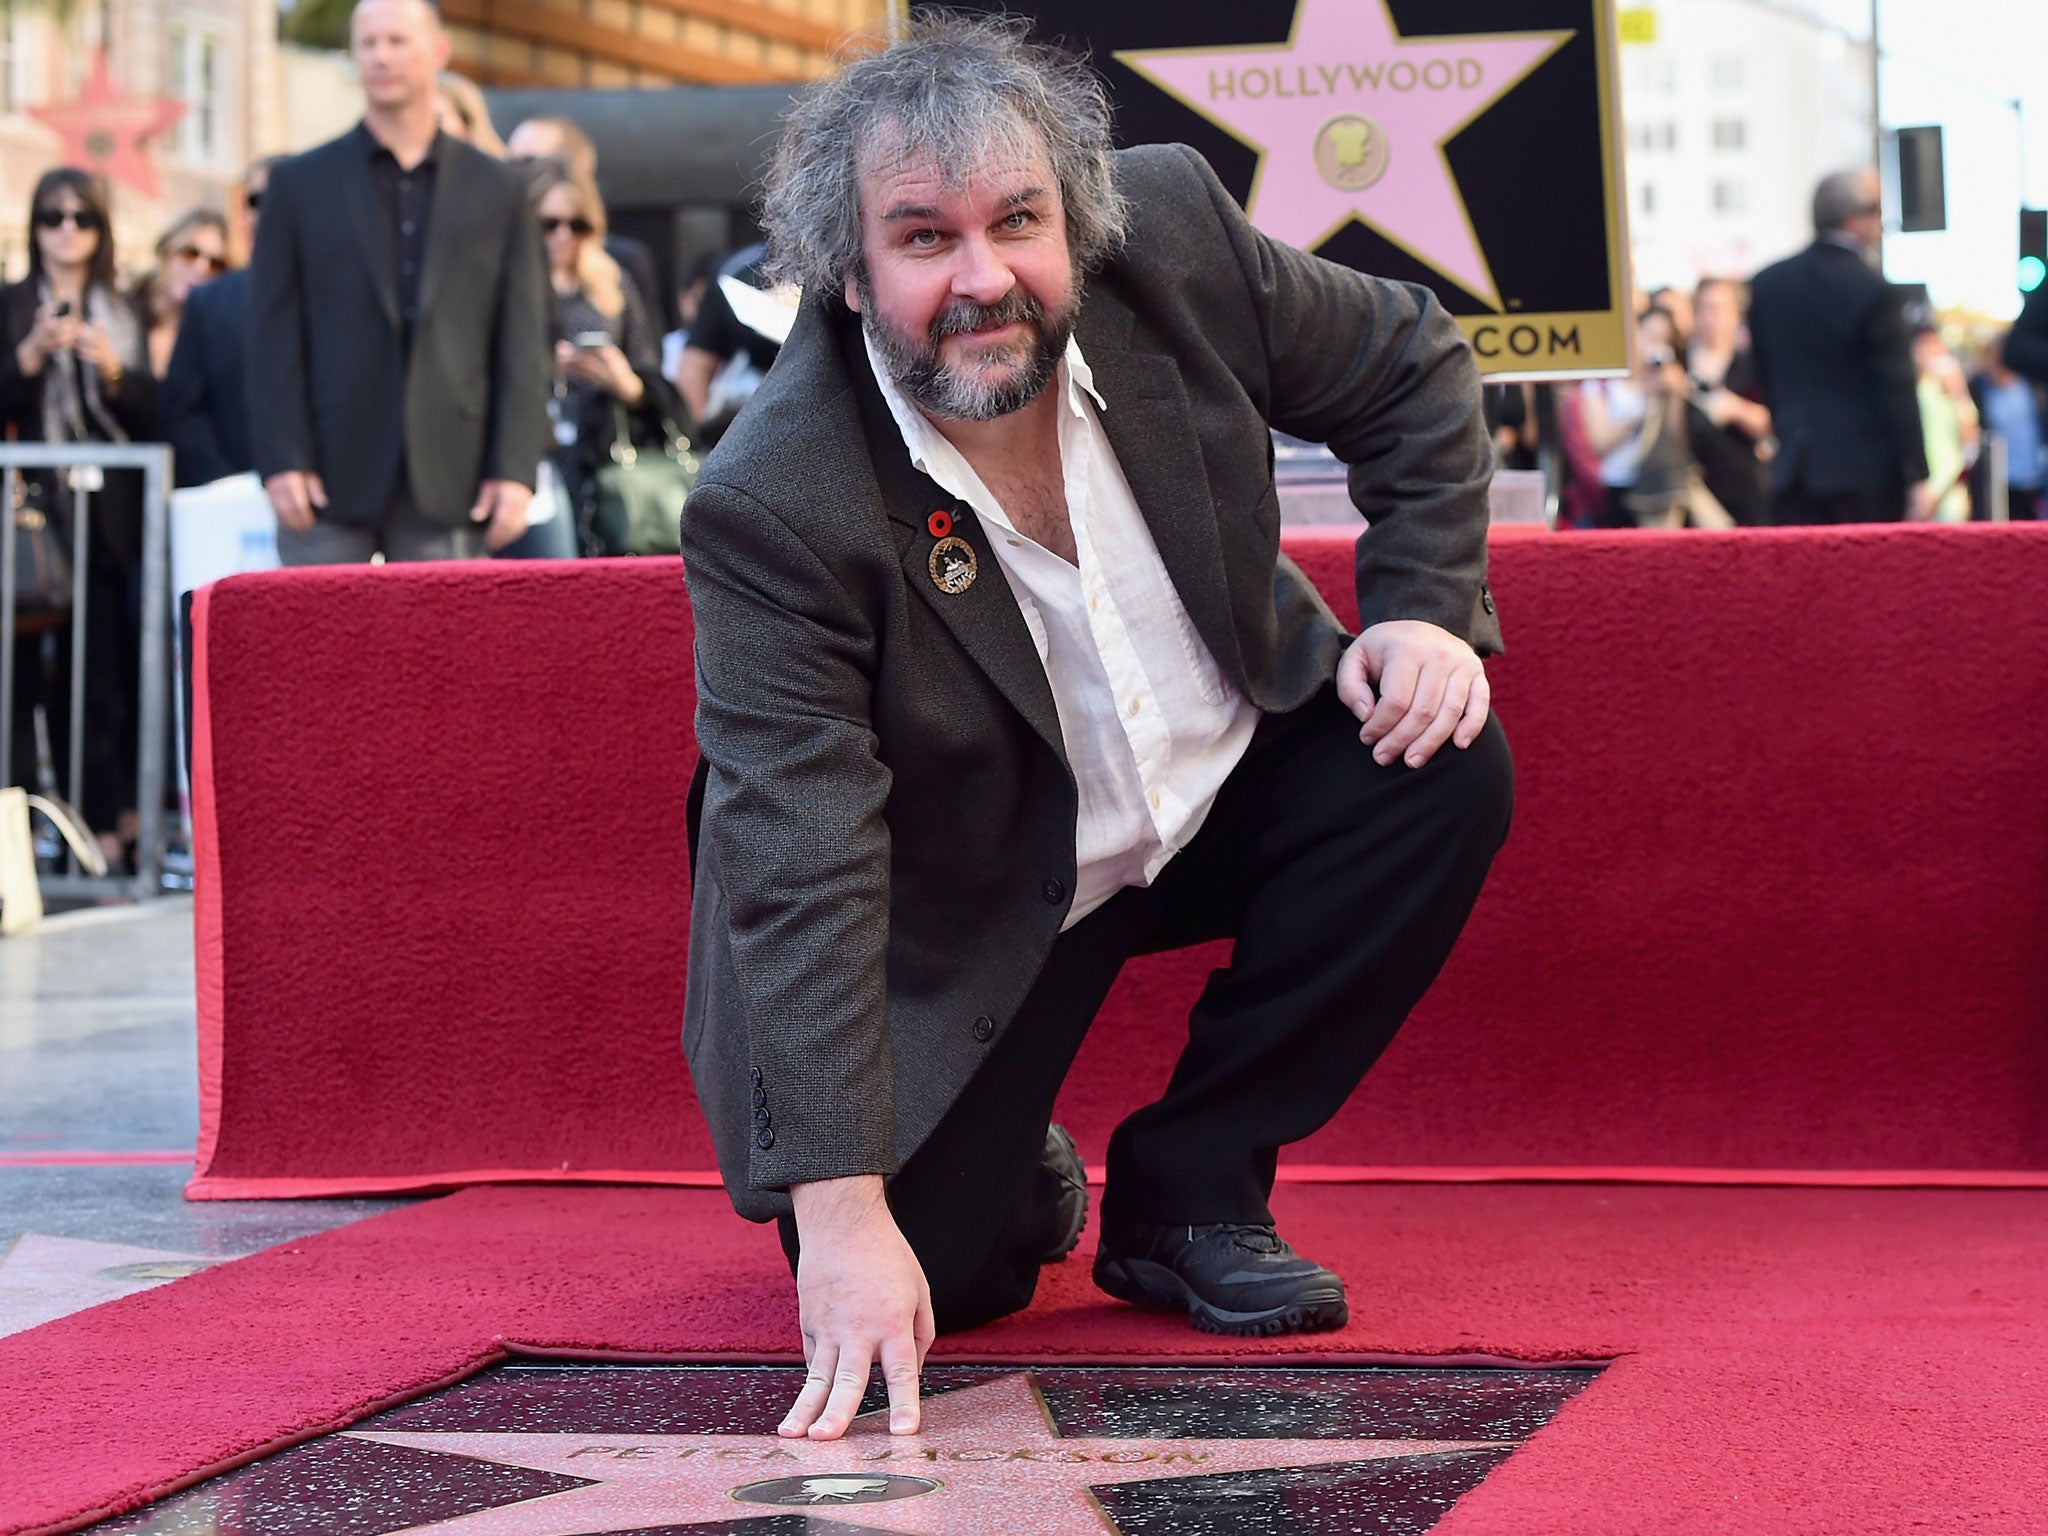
{"x": 1155, "y": 799}
{"x": 984, "y": 1029}
{"x": 1134, "y": 706}
{"x": 406, "y": 227}
{"x": 1054, "y": 892}
{"x": 1091, "y": 604}
{"x": 765, "y": 1140}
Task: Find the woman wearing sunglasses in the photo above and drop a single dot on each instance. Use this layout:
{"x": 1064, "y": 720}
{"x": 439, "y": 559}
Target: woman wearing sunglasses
{"x": 73, "y": 368}
{"x": 191, "y": 252}
{"x": 607, "y": 351}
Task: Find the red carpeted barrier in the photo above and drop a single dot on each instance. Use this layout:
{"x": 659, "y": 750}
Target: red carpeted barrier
{"x": 1775, "y": 897}
{"x": 1791, "y": 1362}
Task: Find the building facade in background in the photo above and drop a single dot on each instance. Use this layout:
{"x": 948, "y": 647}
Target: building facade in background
{"x": 1730, "y": 116}
{"x": 218, "y": 58}
{"x": 626, "y": 43}
{"x": 246, "y": 93}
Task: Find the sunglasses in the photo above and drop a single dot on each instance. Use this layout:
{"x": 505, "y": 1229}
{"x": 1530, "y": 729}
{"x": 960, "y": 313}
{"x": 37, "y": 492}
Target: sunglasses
{"x": 57, "y": 218}
{"x": 252, "y": 200}
{"x": 577, "y": 227}
{"x": 214, "y": 264}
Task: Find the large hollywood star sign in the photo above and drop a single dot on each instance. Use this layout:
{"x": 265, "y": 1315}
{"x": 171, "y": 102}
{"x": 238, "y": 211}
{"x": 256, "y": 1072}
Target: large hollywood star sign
{"x": 1464, "y": 144}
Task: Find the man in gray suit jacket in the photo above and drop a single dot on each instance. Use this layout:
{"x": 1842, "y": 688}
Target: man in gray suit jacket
{"x": 399, "y": 354}
{"x": 1003, "y": 679}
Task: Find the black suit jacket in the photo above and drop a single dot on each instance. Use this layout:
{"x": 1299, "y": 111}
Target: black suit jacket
{"x": 332, "y": 387}
{"x": 886, "y": 845}
{"x": 2026, "y": 344}
{"x": 203, "y": 405}
{"x": 1837, "y": 372}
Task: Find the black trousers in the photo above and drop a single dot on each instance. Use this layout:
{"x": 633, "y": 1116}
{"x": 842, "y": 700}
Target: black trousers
{"x": 1796, "y": 504}
{"x": 1344, "y": 884}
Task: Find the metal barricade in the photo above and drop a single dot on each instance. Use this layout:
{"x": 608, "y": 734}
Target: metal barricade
{"x": 152, "y": 725}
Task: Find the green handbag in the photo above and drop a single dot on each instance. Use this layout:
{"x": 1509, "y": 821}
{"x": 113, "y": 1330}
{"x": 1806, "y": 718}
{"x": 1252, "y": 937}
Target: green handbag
{"x": 637, "y": 494}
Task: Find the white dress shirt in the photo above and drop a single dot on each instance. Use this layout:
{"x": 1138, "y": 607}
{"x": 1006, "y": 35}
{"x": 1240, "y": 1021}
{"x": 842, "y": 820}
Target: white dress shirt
{"x": 1151, "y": 726}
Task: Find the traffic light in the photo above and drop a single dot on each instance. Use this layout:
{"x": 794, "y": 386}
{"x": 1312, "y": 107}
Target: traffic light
{"x": 2033, "y": 248}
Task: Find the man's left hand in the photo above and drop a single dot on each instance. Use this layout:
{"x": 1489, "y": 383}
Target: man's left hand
{"x": 502, "y": 504}
{"x": 1414, "y": 687}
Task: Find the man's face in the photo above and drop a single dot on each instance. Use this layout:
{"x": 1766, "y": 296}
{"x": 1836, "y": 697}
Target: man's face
{"x": 399, "y": 49}
{"x": 969, "y": 290}
{"x": 534, "y": 140}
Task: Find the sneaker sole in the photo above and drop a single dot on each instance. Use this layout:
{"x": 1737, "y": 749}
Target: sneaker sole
{"x": 1073, "y": 1241}
{"x": 1058, "y": 1254}
{"x": 1145, "y": 1284}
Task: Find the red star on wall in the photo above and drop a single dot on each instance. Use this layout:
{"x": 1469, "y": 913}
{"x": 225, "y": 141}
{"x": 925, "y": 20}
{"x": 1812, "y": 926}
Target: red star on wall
{"x": 103, "y": 130}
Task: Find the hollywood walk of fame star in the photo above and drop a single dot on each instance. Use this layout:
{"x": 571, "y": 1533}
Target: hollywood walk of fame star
{"x": 104, "y": 130}
{"x": 991, "y": 1456}
{"x": 1374, "y": 107}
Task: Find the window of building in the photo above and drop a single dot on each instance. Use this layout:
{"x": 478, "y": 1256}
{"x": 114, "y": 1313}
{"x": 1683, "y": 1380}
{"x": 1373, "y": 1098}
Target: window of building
{"x": 197, "y": 60}
{"x": 1729, "y": 72}
{"x": 1731, "y": 133}
{"x": 26, "y": 35}
{"x": 1649, "y": 197}
{"x": 1730, "y": 197}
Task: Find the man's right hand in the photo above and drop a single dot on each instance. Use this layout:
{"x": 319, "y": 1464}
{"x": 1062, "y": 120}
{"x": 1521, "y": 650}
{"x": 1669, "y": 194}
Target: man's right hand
{"x": 294, "y": 496}
{"x": 861, "y": 1297}
{"x": 1920, "y": 503}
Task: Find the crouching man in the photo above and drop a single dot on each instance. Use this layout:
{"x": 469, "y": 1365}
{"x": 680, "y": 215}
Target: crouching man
{"x": 1003, "y": 680}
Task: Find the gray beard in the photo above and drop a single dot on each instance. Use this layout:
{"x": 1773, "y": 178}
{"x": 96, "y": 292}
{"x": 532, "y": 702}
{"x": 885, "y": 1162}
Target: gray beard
{"x": 919, "y": 372}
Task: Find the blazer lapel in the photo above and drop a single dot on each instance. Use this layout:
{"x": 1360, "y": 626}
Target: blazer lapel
{"x": 446, "y": 222}
{"x": 985, "y": 618}
{"x": 1147, "y": 421}
{"x": 359, "y": 198}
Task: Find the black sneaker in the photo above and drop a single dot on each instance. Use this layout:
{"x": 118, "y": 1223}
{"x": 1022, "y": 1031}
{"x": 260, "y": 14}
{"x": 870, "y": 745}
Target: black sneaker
{"x": 1232, "y": 1279}
{"x": 1064, "y": 1178}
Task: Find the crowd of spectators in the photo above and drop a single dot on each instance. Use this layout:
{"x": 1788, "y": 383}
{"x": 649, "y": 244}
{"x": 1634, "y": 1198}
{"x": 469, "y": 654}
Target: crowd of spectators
{"x": 403, "y": 397}
{"x": 1811, "y": 393}
{"x": 257, "y": 342}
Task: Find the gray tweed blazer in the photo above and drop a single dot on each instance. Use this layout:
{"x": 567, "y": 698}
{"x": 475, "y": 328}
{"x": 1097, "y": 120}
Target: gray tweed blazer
{"x": 884, "y": 827}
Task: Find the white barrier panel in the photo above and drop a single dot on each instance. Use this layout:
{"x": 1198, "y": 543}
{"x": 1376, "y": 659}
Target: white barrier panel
{"x": 220, "y": 530}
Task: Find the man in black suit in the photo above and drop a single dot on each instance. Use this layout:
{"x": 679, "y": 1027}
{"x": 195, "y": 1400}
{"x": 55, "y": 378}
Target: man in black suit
{"x": 1836, "y": 370}
{"x": 1003, "y": 679}
{"x": 203, "y": 406}
{"x": 399, "y": 350}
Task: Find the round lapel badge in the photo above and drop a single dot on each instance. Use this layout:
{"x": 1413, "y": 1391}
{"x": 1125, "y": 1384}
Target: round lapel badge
{"x": 954, "y": 565}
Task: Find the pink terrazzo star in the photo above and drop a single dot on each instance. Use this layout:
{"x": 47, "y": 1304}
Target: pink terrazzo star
{"x": 1351, "y": 119}
{"x": 989, "y": 1459}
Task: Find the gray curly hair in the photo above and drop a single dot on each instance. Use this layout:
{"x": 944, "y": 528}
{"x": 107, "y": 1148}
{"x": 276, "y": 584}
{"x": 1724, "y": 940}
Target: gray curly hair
{"x": 962, "y": 89}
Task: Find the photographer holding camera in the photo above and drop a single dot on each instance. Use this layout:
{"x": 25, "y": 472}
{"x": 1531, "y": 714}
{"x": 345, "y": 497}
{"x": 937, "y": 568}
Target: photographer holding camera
{"x": 1638, "y": 426}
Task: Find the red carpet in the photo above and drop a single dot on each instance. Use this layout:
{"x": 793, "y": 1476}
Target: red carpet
{"x": 1775, "y": 897}
{"x": 1790, "y": 1361}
